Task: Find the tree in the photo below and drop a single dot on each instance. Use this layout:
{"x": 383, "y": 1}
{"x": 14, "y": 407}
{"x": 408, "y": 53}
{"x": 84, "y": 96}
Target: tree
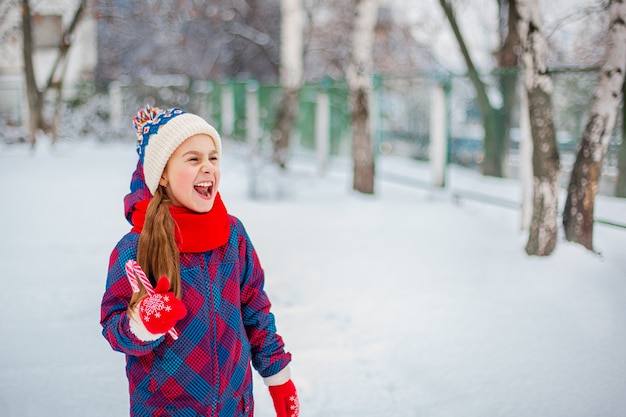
{"x": 620, "y": 187}
{"x": 594, "y": 143}
{"x": 291, "y": 76}
{"x": 508, "y": 65}
{"x": 546, "y": 161}
{"x": 493, "y": 140}
{"x": 217, "y": 40}
{"x": 397, "y": 49}
{"x": 36, "y": 96}
{"x": 359, "y": 75}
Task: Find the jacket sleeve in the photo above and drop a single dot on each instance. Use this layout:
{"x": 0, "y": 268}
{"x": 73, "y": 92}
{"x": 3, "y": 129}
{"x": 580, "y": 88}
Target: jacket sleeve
{"x": 113, "y": 316}
{"x": 267, "y": 347}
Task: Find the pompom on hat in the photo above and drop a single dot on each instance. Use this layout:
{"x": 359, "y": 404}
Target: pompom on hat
{"x": 160, "y": 132}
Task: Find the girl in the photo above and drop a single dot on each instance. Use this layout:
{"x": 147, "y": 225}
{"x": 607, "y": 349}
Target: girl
{"x": 190, "y": 342}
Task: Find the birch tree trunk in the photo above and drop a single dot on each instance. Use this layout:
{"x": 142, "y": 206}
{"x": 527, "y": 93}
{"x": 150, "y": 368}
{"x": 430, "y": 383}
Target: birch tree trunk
{"x": 594, "y": 144}
{"x": 291, "y": 76}
{"x": 546, "y": 163}
{"x": 359, "y": 75}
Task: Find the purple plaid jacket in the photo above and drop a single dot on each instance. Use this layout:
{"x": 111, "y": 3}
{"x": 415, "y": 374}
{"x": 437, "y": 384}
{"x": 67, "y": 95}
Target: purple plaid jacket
{"x": 207, "y": 371}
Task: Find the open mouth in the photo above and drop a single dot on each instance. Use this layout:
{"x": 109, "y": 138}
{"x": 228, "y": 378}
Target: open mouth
{"x": 205, "y": 189}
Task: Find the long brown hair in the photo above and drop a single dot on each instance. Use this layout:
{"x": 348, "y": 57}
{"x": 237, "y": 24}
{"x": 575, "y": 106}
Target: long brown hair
{"x": 157, "y": 252}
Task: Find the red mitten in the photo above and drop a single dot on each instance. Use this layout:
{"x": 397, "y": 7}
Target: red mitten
{"x": 285, "y": 399}
{"x": 160, "y": 311}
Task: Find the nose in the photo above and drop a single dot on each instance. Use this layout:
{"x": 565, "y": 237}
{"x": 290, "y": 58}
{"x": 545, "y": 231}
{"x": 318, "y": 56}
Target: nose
{"x": 208, "y": 167}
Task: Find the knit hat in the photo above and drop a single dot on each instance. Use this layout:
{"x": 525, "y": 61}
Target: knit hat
{"x": 160, "y": 132}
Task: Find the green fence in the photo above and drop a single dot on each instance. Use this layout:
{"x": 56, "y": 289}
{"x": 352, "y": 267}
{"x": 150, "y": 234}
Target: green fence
{"x": 268, "y": 97}
{"x": 401, "y": 112}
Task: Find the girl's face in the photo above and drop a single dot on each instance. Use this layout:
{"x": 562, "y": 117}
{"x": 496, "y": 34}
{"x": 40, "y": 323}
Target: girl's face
{"x": 192, "y": 174}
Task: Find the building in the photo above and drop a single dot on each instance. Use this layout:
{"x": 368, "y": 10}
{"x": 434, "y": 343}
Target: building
{"x": 49, "y": 20}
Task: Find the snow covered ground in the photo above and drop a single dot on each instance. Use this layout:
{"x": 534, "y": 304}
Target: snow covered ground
{"x": 401, "y": 304}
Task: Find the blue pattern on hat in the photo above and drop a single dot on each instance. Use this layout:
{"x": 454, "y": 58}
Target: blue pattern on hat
{"x": 147, "y": 123}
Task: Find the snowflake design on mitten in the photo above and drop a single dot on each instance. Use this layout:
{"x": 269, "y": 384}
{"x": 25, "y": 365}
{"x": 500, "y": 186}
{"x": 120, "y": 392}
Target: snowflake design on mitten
{"x": 294, "y": 406}
{"x": 153, "y": 306}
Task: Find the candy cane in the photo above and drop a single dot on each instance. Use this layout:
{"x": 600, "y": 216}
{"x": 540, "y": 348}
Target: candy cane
{"x": 135, "y": 274}
{"x": 133, "y": 269}
{"x": 130, "y": 273}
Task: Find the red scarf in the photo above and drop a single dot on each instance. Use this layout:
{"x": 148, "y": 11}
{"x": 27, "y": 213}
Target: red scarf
{"x": 195, "y": 232}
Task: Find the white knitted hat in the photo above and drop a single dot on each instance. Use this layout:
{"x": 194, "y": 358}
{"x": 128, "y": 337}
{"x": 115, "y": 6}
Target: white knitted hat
{"x": 160, "y": 132}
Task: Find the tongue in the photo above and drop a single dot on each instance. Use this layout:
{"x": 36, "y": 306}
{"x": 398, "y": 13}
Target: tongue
{"x": 203, "y": 190}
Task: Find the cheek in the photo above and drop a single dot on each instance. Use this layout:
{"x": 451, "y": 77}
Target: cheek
{"x": 183, "y": 179}
{"x": 218, "y": 178}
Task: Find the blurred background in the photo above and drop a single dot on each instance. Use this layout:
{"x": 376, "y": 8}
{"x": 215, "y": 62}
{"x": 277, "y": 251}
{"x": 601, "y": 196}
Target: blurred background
{"x": 226, "y": 60}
